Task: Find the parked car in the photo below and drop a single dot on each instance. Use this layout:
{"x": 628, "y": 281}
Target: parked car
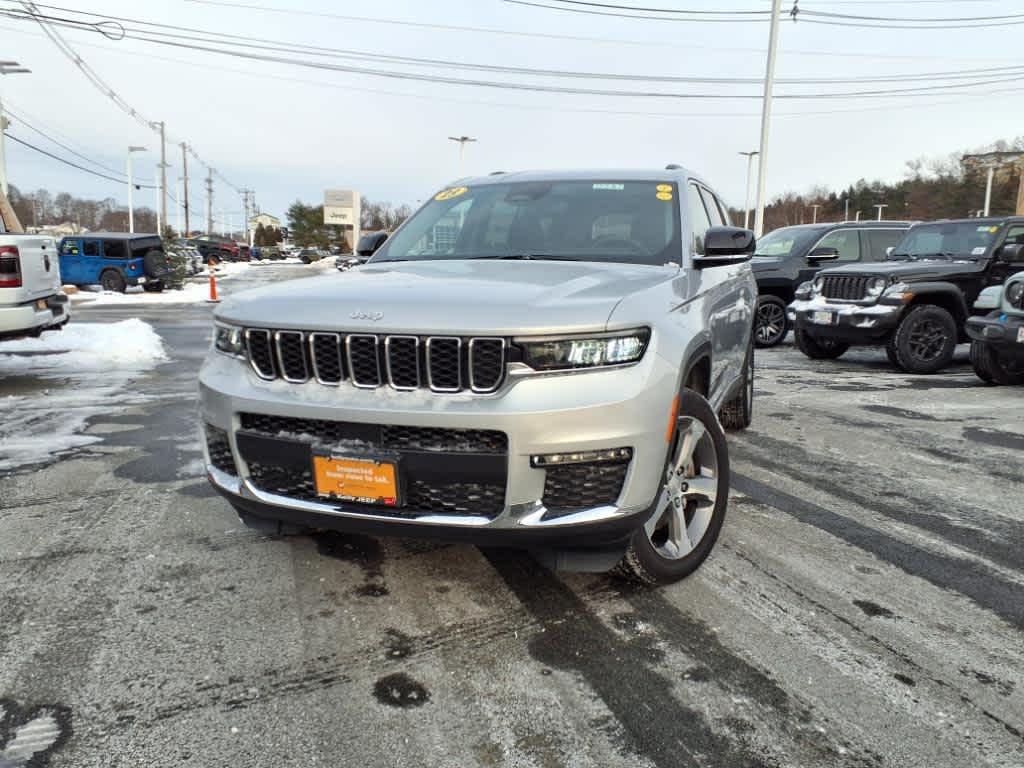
{"x": 547, "y": 373}
{"x": 242, "y": 252}
{"x": 115, "y": 260}
{"x": 790, "y": 256}
{"x": 917, "y": 303}
{"x": 31, "y": 299}
{"x": 997, "y": 338}
{"x": 309, "y": 255}
{"x": 193, "y": 258}
{"x": 216, "y": 248}
{"x": 369, "y": 243}
{"x": 271, "y": 252}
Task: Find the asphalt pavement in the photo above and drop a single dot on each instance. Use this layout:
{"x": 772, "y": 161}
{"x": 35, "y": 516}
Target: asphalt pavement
{"x": 864, "y": 605}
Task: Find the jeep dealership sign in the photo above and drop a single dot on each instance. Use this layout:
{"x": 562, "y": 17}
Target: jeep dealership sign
{"x": 341, "y": 206}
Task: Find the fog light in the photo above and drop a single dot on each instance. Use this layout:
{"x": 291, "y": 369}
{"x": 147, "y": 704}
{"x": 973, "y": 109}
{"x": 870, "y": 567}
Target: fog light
{"x": 582, "y": 457}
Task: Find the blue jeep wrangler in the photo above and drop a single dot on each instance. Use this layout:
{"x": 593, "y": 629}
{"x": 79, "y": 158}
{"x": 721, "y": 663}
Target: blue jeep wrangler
{"x": 114, "y": 260}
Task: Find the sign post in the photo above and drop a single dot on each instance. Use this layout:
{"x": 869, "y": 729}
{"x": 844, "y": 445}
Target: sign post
{"x": 342, "y": 207}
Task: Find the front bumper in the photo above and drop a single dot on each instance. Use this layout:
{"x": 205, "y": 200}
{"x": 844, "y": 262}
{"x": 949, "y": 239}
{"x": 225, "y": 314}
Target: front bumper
{"x": 566, "y": 413}
{"x": 1005, "y": 333}
{"x": 854, "y": 323}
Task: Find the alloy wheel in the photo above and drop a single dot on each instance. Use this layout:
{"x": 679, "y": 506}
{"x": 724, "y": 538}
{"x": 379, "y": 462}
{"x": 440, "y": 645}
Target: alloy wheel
{"x": 771, "y": 322}
{"x": 927, "y": 340}
{"x": 687, "y": 501}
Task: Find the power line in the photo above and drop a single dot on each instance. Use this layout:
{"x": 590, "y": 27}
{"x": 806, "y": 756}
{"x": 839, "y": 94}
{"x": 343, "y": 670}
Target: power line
{"x": 73, "y": 165}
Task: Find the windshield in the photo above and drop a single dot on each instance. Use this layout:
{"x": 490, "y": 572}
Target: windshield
{"x": 946, "y": 240}
{"x": 784, "y": 242}
{"x": 635, "y": 222}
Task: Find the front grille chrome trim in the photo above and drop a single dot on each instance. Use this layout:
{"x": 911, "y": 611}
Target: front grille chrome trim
{"x": 249, "y": 334}
{"x": 501, "y": 370}
{"x": 430, "y": 377}
{"x": 336, "y": 337}
{"x": 387, "y": 362}
{"x": 278, "y": 336}
{"x": 352, "y": 368}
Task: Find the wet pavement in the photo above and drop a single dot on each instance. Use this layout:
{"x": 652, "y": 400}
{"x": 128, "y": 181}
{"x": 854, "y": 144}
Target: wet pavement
{"x": 864, "y": 605}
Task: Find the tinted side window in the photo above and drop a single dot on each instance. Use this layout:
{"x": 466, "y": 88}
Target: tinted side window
{"x": 115, "y": 249}
{"x": 69, "y": 248}
{"x": 879, "y": 240}
{"x": 846, "y": 241}
{"x": 91, "y": 248}
{"x": 717, "y": 220}
{"x": 699, "y": 221}
{"x": 725, "y": 212}
{"x": 1015, "y": 235}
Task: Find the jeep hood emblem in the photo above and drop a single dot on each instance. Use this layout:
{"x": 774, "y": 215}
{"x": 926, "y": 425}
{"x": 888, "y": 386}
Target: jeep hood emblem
{"x": 360, "y": 315}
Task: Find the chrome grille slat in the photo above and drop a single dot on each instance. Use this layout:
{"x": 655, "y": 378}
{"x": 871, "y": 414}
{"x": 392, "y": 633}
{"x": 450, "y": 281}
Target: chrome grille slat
{"x": 364, "y": 358}
{"x": 404, "y": 362}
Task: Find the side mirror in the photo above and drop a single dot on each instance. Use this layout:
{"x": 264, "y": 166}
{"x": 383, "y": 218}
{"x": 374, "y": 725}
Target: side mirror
{"x": 1012, "y": 253}
{"x": 823, "y": 254}
{"x": 726, "y": 245}
{"x": 371, "y": 243}
{"x": 889, "y": 250}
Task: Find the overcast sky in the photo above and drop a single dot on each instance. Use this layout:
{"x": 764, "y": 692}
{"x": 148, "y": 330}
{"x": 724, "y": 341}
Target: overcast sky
{"x": 289, "y": 132}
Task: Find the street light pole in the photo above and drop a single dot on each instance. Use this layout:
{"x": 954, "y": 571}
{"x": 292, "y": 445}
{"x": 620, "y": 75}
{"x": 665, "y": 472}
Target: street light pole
{"x": 988, "y": 188}
{"x": 6, "y": 68}
{"x": 746, "y": 205}
{"x": 461, "y": 141}
{"x": 880, "y": 207}
{"x": 814, "y": 209}
{"x": 766, "y": 116}
{"x": 131, "y": 187}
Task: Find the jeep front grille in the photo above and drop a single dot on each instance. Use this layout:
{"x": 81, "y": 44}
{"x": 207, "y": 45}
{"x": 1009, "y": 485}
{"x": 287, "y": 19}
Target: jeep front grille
{"x": 369, "y": 361}
{"x": 845, "y": 287}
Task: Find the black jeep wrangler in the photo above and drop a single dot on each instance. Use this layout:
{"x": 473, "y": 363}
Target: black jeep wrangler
{"x": 789, "y": 256}
{"x": 917, "y": 302}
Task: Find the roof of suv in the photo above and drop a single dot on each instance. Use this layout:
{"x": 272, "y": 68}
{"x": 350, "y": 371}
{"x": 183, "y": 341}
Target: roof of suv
{"x": 823, "y": 225}
{"x": 580, "y": 174}
{"x": 119, "y": 235}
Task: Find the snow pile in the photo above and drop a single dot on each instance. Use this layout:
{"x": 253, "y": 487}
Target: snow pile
{"x": 63, "y": 379}
{"x": 191, "y": 293}
{"x": 131, "y": 344}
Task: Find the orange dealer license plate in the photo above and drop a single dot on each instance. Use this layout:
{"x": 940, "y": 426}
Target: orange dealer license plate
{"x": 362, "y": 480}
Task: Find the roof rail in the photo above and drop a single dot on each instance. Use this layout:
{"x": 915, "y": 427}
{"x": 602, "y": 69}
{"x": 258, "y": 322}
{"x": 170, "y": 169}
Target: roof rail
{"x": 496, "y": 173}
{"x": 673, "y": 167}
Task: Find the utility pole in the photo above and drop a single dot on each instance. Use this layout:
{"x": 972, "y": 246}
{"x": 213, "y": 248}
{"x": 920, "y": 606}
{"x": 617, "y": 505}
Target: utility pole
{"x": 881, "y": 207}
{"x": 461, "y": 141}
{"x": 209, "y": 200}
{"x": 746, "y": 205}
{"x": 163, "y": 179}
{"x": 6, "y": 68}
{"x": 846, "y": 216}
{"x": 766, "y": 117}
{"x": 184, "y": 167}
{"x": 131, "y": 187}
{"x": 178, "y": 208}
{"x": 815, "y": 208}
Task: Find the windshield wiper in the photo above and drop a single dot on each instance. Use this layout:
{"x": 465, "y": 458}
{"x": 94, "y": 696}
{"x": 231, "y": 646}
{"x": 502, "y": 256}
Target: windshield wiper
{"x": 528, "y": 257}
{"x": 901, "y": 257}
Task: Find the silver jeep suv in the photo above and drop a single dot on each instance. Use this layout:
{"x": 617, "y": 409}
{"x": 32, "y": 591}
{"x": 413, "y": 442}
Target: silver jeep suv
{"x": 537, "y": 360}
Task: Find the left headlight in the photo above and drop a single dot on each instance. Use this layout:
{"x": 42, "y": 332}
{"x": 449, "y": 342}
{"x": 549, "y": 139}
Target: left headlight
{"x": 228, "y": 340}
{"x": 567, "y": 354}
{"x": 1015, "y": 295}
{"x": 877, "y": 286}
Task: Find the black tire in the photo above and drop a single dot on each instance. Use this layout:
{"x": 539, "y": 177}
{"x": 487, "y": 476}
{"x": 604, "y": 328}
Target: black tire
{"x": 154, "y": 263}
{"x": 268, "y": 527}
{"x": 819, "y": 349}
{"x": 645, "y": 560}
{"x": 925, "y": 340}
{"x": 738, "y": 413}
{"x": 770, "y": 324}
{"x": 890, "y": 352}
{"x": 154, "y": 287}
{"x": 990, "y": 368}
{"x": 112, "y": 280}
{"x": 306, "y": 260}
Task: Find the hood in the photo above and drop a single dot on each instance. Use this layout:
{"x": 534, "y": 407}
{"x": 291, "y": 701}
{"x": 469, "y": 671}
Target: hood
{"x": 909, "y": 270}
{"x": 458, "y": 297}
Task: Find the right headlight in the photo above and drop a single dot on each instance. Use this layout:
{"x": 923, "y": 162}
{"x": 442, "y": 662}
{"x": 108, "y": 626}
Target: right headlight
{"x": 597, "y": 351}
{"x": 1015, "y": 295}
{"x": 228, "y": 339}
{"x": 876, "y": 286}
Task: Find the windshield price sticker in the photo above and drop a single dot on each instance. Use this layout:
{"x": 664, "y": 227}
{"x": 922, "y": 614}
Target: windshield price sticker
{"x": 664, "y": 187}
{"x": 663, "y": 195}
{"x": 612, "y": 187}
{"x": 448, "y": 194}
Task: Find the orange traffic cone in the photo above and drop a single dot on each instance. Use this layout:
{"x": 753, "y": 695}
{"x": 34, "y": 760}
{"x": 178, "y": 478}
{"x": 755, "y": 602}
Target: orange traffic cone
{"x": 213, "y": 289}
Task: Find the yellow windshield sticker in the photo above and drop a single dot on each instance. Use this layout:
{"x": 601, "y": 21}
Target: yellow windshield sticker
{"x": 664, "y": 187}
{"x": 448, "y": 194}
{"x": 663, "y": 195}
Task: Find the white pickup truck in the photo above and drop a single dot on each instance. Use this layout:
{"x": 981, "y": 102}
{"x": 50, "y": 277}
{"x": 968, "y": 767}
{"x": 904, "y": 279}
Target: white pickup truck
{"x": 31, "y": 300}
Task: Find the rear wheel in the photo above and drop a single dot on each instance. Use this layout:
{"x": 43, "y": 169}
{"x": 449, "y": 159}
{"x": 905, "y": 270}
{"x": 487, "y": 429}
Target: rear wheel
{"x": 986, "y": 362}
{"x": 771, "y": 327}
{"x": 690, "y": 507}
{"x": 820, "y": 348}
{"x": 154, "y": 287}
{"x": 739, "y": 412}
{"x": 925, "y": 340}
{"x": 112, "y": 280}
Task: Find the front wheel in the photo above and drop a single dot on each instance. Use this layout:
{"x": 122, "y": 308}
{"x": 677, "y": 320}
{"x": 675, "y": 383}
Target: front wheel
{"x": 771, "y": 326}
{"x": 991, "y": 369}
{"x": 690, "y": 506}
{"x": 925, "y": 340}
{"x": 112, "y": 280}
{"x": 820, "y": 349}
